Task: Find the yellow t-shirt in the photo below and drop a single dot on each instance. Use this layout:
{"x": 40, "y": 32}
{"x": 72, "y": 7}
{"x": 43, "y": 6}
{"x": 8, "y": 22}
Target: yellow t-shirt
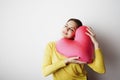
{"x": 53, "y": 63}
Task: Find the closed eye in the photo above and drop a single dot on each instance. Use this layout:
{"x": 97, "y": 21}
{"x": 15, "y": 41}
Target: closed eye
{"x": 71, "y": 28}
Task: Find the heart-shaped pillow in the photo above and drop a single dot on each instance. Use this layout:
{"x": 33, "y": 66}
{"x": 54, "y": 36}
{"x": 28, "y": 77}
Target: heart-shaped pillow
{"x": 81, "y": 46}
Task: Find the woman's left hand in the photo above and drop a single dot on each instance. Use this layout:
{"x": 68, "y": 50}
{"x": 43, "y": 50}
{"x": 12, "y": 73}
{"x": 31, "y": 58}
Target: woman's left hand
{"x": 92, "y": 35}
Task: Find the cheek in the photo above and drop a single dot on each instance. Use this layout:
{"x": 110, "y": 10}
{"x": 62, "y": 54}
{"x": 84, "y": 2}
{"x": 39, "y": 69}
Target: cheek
{"x": 64, "y": 30}
{"x": 71, "y": 34}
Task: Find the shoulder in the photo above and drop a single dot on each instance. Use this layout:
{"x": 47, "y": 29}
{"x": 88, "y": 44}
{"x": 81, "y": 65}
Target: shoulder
{"x": 51, "y": 43}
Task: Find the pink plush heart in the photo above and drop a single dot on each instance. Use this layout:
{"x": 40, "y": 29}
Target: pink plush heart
{"x": 81, "y": 46}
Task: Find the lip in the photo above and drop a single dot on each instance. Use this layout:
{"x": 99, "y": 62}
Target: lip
{"x": 65, "y": 33}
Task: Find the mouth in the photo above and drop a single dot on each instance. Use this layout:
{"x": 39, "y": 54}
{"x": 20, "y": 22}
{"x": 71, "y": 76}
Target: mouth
{"x": 65, "y": 33}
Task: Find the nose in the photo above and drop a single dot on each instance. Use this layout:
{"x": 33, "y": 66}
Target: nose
{"x": 67, "y": 29}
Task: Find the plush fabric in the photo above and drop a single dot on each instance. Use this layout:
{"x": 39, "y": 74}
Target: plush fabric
{"x": 81, "y": 46}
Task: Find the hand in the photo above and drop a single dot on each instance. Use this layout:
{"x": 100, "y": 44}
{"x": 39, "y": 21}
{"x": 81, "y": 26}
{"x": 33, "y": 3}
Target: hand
{"x": 74, "y": 60}
{"x": 92, "y": 35}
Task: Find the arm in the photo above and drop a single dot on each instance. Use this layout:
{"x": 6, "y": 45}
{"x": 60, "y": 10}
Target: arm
{"x": 48, "y": 67}
{"x": 98, "y": 63}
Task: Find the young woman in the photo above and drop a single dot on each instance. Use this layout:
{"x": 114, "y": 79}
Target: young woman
{"x": 71, "y": 68}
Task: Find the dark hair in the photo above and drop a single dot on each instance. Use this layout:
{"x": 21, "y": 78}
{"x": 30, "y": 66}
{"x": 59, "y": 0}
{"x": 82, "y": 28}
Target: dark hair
{"x": 77, "y": 21}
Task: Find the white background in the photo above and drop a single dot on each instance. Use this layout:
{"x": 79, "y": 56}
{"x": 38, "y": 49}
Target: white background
{"x": 27, "y": 25}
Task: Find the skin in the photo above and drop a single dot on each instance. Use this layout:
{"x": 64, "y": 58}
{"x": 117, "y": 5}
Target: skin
{"x": 69, "y": 32}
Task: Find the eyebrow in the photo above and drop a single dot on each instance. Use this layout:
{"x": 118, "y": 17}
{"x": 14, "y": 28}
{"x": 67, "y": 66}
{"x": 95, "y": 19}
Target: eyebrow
{"x": 71, "y": 27}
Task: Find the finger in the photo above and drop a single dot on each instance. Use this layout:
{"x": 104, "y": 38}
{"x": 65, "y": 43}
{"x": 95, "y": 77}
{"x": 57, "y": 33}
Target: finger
{"x": 78, "y": 62}
{"x": 91, "y": 33}
{"x": 91, "y": 29}
{"x": 88, "y": 34}
{"x": 74, "y": 58}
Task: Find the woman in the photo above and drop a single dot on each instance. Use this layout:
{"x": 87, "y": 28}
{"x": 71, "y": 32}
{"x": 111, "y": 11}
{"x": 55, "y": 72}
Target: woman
{"x": 71, "y": 68}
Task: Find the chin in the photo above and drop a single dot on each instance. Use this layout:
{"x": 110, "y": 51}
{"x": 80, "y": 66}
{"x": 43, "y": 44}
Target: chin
{"x": 67, "y": 37}
{"x": 64, "y": 37}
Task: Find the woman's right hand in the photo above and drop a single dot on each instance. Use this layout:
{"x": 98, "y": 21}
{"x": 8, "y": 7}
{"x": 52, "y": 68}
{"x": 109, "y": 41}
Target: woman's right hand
{"x": 74, "y": 60}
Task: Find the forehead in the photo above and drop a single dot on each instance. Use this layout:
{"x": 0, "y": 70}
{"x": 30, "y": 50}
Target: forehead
{"x": 71, "y": 24}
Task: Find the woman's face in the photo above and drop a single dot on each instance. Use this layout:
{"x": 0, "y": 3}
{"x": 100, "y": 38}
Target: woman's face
{"x": 69, "y": 30}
